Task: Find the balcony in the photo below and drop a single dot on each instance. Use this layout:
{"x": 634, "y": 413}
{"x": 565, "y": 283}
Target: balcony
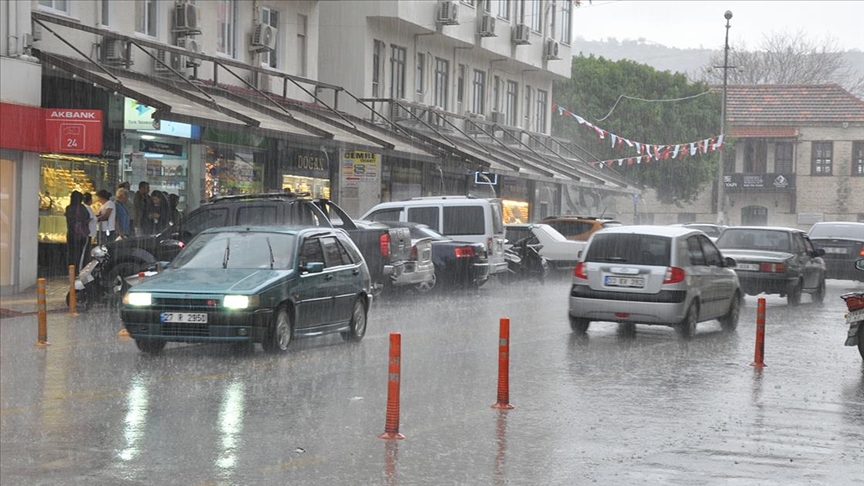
{"x": 768, "y": 182}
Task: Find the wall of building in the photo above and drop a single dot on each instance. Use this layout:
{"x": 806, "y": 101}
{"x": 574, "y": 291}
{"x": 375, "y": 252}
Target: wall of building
{"x": 839, "y": 196}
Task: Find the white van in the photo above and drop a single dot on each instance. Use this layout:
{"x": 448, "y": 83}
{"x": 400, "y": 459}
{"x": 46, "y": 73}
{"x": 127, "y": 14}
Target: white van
{"x": 462, "y": 218}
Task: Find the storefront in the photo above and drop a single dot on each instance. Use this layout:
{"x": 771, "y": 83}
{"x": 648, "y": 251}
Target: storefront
{"x": 515, "y": 200}
{"x": 301, "y": 170}
{"x": 234, "y": 162}
{"x": 59, "y": 175}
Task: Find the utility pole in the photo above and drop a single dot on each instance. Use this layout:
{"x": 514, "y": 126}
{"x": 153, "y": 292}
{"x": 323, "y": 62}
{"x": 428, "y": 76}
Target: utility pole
{"x": 721, "y": 184}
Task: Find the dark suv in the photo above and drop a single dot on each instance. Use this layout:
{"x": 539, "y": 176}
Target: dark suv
{"x": 385, "y": 250}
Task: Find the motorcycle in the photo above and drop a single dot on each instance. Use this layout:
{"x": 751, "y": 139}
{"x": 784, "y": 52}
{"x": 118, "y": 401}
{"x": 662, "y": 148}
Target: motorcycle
{"x": 855, "y": 316}
{"x": 524, "y": 262}
{"x": 90, "y": 286}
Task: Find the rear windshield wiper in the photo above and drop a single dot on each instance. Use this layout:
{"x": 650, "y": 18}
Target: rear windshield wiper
{"x": 227, "y": 253}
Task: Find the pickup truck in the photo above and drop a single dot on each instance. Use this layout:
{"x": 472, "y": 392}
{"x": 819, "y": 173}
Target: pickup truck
{"x": 385, "y": 249}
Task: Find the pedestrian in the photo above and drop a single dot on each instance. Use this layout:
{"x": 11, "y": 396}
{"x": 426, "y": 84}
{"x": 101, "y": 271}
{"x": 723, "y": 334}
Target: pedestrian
{"x": 176, "y": 216}
{"x": 88, "y": 203}
{"x": 141, "y": 209}
{"x": 107, "y": 217}
{"x": 122, "y": 223}
{"x": 77, "y": 230}
{"x": 159, "y": 212}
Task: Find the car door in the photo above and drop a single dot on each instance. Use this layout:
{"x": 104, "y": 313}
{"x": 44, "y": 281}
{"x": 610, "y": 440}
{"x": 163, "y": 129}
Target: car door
{"x": 813, "y": 264}
{"x": 312, "y": 295}
{"x": 722, "y": 279}
{"x": 340, "y": 277}
{"x": 700, "y": 276}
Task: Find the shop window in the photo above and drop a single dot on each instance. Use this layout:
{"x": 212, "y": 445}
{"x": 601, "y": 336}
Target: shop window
{"x": 822, "y": 155}
{"x": 145, "y": 17}
{"x": 59, "y": 176}
{"x": 427, "y": 216}
{"x": 8, "y": 215}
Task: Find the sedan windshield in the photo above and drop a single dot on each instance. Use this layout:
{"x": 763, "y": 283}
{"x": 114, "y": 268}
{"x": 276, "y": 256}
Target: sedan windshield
{"x": 238, "y": 250}
{"x": 750, "y": 239}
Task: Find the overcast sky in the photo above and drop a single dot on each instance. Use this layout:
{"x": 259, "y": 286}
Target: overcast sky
{"x": 694, "y": 24}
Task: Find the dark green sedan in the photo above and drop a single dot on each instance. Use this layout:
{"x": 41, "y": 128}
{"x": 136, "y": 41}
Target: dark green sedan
{"x": 265, "y": 285}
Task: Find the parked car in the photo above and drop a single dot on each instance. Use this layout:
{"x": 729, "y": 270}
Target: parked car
{"x": 251, "y": 285}
{"x": 659, "y": 275}
{"x": 775, "y": 261}
{"x": 579, "y": 228}
{"x": 458, "y": 264}
{"x": 418, "y": 273}
{"x": 843, "y": 243}
{"x": 559, "y": 252}
{"x": 462, "y": 218}
{"x": 385, "y": 250}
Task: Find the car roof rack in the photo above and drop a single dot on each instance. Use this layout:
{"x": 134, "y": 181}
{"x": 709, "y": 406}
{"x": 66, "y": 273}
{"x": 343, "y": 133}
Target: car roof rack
{"x": 265, "y": 195}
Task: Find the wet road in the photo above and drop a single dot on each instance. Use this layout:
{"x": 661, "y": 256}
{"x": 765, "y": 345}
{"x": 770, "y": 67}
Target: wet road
{"x": 613, "y": 407}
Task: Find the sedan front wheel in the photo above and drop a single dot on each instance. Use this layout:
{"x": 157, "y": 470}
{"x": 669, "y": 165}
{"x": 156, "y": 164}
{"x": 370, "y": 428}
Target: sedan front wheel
{"x": 281, "y": 334}
{"x": 357, "y": 328}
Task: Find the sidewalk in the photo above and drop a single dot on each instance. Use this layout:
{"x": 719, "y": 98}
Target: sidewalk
{"x": 24, "y": 303}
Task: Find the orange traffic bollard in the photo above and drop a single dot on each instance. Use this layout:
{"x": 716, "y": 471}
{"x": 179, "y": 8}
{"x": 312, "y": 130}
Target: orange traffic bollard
{"x": 73, "y": 300}
{"x": 760, "y": 335}
{"x": 503, "y": 365}
{"x": 42, "y": 338}
{"x": 391, "y": 424}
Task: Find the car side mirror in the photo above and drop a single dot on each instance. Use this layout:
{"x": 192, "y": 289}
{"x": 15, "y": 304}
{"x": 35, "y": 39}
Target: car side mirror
{"x": 818, "y": 252}
{"x": 729, "y": 262}
{"x": 859, "y": 264}
{"x": 313, "y": 267}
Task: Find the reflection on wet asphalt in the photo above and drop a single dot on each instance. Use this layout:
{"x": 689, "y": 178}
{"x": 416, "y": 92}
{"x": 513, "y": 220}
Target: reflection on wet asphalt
{"x": 620, "y": 405}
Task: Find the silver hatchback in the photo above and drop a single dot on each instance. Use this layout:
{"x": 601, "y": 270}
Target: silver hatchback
{"x": 660, "y": 275}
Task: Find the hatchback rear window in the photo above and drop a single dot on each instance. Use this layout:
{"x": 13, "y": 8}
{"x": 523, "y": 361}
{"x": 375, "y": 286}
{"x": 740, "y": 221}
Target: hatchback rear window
{"x": 630, "y": 248}
{"x": 464, "y": 220}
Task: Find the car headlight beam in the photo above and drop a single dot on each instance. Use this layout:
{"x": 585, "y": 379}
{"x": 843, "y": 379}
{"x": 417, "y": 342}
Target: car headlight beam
{"x": 139, "y": 299}
{"x": 239, "y": 301}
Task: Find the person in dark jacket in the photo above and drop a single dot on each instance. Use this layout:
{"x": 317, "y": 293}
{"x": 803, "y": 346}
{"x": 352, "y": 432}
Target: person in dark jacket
{"x": 176, "y": 216}
{"x": 159, "y": 213}
{"x": 77, "y": 231}
{"x": 141, "y": 209}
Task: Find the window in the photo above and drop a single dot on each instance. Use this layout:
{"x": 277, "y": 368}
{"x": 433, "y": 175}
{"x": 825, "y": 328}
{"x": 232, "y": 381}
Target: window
{"x": 334, "y": 254}
{"x": 755, "y": 156}
{"x": 496, "y": 93}
{"x": 377, "y": 53}
{"x": 106, "y": 12}
{"x": 301, "y": 45}
{"x": 271, "y": 18}
{"x": 427, "y": 216}
{"x": 521, "y": 11}
{"x": 256, "y": 215}
{"x": 536, "y": 17}
{"x": 420, "y": 76}
{"x": 566, "y": 22}
{"x": 311, "y": 252}
{"x": 386, "y": 215}
{"x": 527, "y": 110}
{"x": 464, "y": 220}
{"x": 442, "y": 81}
{"x": 460, "y": 87}
{"x": 224, "y": 27}
{"x": 858, "y": 159}
{"x": 61, "y": 5}
{"x": 712, "y": 254}
{"x": 397, "y": 71}
{"x": 487, "y": 5}
{"x": 541, "y": 111}
{"x": 479, "y": 92}
{"x": 821, "y": 156}
{"x": 504, "y": 9}
{"x": 783, "y": 157}
{"x": 512, "y": 103}
{"x": 145, "y": 17}
{"x": 468, "y": 2}
{"x": 694, "y": 250}
{"x": 198, "y": 222}
{"x": 632, "y": 249}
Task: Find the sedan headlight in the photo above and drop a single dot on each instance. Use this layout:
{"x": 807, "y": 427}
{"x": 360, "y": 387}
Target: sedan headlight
{"x": 140, "y": 299}
{"x": 239, "y": 301}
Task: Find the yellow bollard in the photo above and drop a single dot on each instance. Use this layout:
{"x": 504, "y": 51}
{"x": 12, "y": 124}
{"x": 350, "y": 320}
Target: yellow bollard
{"x": 73, "y": 300}
{"x": 42, "y": 339}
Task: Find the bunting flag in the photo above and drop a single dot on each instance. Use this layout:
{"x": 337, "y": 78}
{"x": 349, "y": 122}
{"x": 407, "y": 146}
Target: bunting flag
{"x": 646, "y": 152}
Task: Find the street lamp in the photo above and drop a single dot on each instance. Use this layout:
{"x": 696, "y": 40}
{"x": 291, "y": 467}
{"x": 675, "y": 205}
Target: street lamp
{"x": 721, "y": 185}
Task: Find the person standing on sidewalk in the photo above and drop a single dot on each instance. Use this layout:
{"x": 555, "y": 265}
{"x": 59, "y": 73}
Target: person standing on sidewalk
{"x": 122, "y": 222}
{"x": 141, "y": 209}
{"x": 77, "y": 230}
{"x": 107, "y": 217}
{"x": 88, "y": 203}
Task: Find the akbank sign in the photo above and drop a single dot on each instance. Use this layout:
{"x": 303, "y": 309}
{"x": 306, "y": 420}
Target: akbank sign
{"x": 138, "y": 116}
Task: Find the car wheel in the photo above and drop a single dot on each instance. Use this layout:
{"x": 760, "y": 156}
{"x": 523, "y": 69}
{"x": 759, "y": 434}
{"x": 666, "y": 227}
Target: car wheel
{"x": 794, "y": 295}
{"x": 687, "y": 327}
{"x": 819, "y": 295}
{"x": 730, "y": 320}
{"x": 579, "y": 325}
{"x": 426, "y": 287}
{"x": 150, "y": 346}
{"x": 281, "y": 333}
{"x": 117, "y": 273}
{"x": 357, "y": 328}
{"x": 860, "y": 343}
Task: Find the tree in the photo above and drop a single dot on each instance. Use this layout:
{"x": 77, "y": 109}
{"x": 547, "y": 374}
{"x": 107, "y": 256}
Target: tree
{"x": 594, "y": 88}
{"x": 783, "y": 58}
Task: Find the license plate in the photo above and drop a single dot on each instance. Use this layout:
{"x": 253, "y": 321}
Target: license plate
{"x": 750, "y": 267}
{"x": 633, "y": 282}
{"x": 841, "y": 251}
{"x": 196, "y": 317}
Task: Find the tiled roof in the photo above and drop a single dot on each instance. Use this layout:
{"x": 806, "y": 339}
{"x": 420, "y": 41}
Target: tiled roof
{"x": 791, "y": 104}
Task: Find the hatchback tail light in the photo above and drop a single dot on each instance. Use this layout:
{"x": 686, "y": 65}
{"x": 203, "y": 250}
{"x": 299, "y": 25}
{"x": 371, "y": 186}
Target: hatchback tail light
{"x": 384, "y": 244}
{"x": 772, "y": 267}
{"x": 579, "y": 271}
{"x": 674, "y": 275}
{"x": 464, "y": 252}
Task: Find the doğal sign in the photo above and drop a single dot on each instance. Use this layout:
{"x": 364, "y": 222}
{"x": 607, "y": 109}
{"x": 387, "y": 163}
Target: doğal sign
{"x": 138, "y": 116}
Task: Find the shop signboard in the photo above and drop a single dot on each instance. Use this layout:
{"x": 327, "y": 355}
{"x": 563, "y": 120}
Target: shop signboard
{"x": 310, "y": 163}
{"x": 70, "y": 131}
{"x": 156, "y": 147}
{"x": 360, "y": 167}
{"x": 769, "y": 182}
{"x": 360, "y": 181}
{"x": 138, "y": 116}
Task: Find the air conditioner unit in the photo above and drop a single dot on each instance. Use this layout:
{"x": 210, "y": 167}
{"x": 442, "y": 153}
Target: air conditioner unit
{"x": 496, "y": 117}
{"x": 521, "y": 34}
{"x": 186, "y": 18}
{"x": 550, "y": 49}
{"x": 447, "y": 13}
{"x": 165, "y": 58}
{"x": 113, "y": 51}
{"x": 264, "y": 38}
{"x": 190, "y": 45}
{"x": 487, "y": 26}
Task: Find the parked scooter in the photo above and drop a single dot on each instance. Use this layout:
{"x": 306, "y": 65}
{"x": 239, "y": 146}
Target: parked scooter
{"x": 524, "y": 262}
{"x": 855, "y": 316}
{"x": 90, "y": 286}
